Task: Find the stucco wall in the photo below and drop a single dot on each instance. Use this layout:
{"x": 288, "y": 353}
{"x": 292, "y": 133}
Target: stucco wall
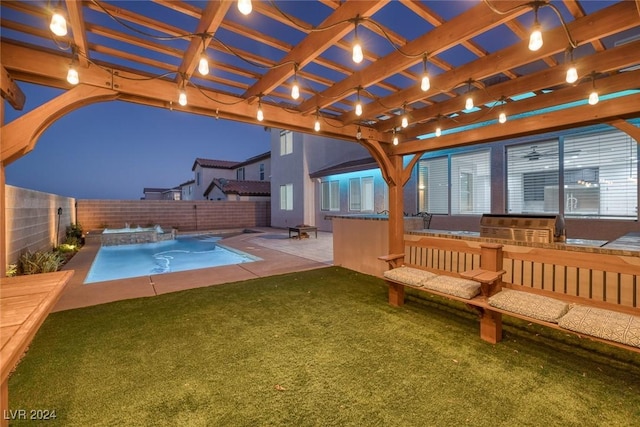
{"x": 32, "y": 220}
{"x": 181, "y": 214}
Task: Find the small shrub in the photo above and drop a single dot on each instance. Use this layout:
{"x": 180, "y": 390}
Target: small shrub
{"x": 67, "y": 248}
{"x": 39, "y": 262}
{"x": 73, "y": 241}
{"x": 12, "y": 270}
{"x": 74, "y": 231}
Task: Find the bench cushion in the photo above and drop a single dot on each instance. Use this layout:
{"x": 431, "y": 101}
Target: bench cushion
{"x": 409, "y": 275}
{"x": 606, "y": 324}
{"x": 531, "y": 305}
{"x": 463, "y": 288}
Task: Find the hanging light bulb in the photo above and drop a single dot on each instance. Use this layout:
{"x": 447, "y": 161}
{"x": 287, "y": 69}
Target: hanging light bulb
{"x": 295, "y": 89}
{"x": 357, "y": 56}
{"x": 502, "y": 118}
{"x": 358, "y": 104}
{"x": 72, "y": 75}
{"x": 425, "y": 85}
{"x": 535, "y": 39}
{"x": 572, "y": 73}
{"x": 58, "y": 25}
{"x": 245, "y": 7}
{"x": 316, "y": 125}
{"x": 395, "y": 138}
{"x": 438, "y": 130}
{"x": 260, "y": 114}
{"x": 468, "y": 104}
{"x": 203, "y": 65}
{"x": 359, "y": 133}
{"x": 405, "y": 119}
{"x": 593, "y": 96}
{"x": 182, "y": 97}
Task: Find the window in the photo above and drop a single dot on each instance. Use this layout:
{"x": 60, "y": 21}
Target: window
{"x": 600, "y": 176}
{"x": 433, "y": 185}
{"x": 533, "y": 178}
{"x": 197, "y": 178}
{"x": 286, "y": 142}
{"x": 286, "y": 197}
{"x": 330, "y": 196}
{"x": 261, "y": 171}
{"x": 471, "y": 183}
{"x": 361, "y": 194}
{"x": 240, "y": 174}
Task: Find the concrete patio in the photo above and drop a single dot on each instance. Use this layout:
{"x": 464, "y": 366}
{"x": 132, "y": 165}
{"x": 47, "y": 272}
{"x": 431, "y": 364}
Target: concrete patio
{"x": 279, "y": 255}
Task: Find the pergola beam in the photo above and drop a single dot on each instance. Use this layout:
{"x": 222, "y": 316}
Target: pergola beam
{"x": 10, "y": 90}
{"x": 74, "y": 8}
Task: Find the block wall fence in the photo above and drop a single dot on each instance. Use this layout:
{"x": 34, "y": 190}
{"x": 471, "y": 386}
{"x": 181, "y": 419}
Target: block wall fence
{"x": 33, "y": 223}
{"x": 183, "y": 215}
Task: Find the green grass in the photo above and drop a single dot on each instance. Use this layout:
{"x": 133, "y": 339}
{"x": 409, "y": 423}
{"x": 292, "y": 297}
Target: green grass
{"x": 321, "y": 347}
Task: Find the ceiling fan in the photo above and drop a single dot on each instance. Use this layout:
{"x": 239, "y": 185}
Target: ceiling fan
{"x": 534, "y": 154}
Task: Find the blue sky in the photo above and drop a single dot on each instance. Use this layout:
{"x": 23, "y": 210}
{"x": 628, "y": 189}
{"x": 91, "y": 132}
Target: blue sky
{"x": 112, "y": 150}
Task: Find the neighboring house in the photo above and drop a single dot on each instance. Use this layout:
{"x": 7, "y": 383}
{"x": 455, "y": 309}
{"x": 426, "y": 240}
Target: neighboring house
{"x": 235, "y": 190}
{"x": 187, "y": 190}
{"x": 161, "y": 193}
{"x": 257, "y": 168}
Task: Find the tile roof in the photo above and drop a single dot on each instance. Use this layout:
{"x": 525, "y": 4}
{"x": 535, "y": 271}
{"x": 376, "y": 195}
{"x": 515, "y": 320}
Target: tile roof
{"x": 241, "y": 188}
{"x": 214, "y": 163}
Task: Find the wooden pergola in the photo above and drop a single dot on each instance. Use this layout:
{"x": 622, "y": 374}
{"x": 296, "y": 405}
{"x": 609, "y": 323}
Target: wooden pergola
{"x": 144, "y": 52}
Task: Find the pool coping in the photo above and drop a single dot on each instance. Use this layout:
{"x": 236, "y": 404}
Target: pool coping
{"x": 273, "y": 262}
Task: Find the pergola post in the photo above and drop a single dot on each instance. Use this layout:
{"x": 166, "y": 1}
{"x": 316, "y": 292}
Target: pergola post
{"x": 3, "y": 211}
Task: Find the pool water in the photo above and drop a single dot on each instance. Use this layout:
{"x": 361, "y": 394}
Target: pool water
{"x": 144, "y": 259}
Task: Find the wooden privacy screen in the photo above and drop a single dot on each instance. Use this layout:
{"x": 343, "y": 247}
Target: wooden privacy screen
{"x": 607, "y": 277}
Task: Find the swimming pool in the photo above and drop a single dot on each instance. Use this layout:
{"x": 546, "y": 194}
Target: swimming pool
{"x": 144, "y": 259}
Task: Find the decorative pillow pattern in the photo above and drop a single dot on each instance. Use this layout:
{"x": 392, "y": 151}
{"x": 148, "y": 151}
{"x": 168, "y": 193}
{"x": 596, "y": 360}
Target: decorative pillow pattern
{"x": 606, "y": 324}
{"x": 409, "y": 275}
{"x": 463, "y": 288}
{"x": 536, "y": 306}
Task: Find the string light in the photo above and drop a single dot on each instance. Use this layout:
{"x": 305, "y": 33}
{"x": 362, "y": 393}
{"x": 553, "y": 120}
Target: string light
{"x": 72, "y": 74}
{"x": 203, "y": 66}
{"x": 58, "y": 25}
{"x": 357, "y": 56}
{"x": 359, "y": 133}
{"x": 395, "y": 137}
{"x": 245, "y": 7}
{"x": 358, "y": 104}
{"x": 535, "y": 39}
{"x": 405, "y": 119}
{"x": 295, "y": 89}
{"x": 593, "y": 96}
{"x": 468, "y": 105}
{"x": 316, "y": 125}
{"x": 572, "y": 73}
{"x": 260, "y": 114}
{"x": 425, "y": 85}
{"x": 182, "y": 95}
{"x": 438, "y": 128}
{"x": 502, "y": 117}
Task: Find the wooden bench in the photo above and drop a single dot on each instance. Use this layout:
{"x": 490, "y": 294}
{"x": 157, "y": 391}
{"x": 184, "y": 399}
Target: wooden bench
{"x": 299, "y": 229}
{"x": 25, "y": 301}
{"x": 558, "y": 288}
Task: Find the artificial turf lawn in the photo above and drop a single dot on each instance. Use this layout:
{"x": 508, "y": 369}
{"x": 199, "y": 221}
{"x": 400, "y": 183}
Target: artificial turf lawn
{"x": 320, "y": 347}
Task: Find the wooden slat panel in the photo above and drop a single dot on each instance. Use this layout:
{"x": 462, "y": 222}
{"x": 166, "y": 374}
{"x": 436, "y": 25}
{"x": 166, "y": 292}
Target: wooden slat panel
{"x": 611, "y": 287}
{"x": 597, "y": 285}
{"x": 572, "y": 281}
{"x": 584, "y": 282}
{"x": 627, "y": 290}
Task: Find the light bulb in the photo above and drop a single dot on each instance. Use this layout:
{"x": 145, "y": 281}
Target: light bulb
{"x": 58, "y": 24}
{"x": 405, "y": 121}
{"x": 502, "y": 117}
{"x": 438, "y": 131}
{"x": 244, "y": 6}
{"x": 203, "y": 66}
{"x": 535, "y": 39}
{"x": 295, "y": 90}
{"x": 260, "y": 114}
{"x": 426, "y": 84}
{"x": 182, "y": 98}
{"x": 395, "y": 139}
{"x": 358, "y": 133}
{"x": 572, "y": 74}
{"x": 72, "y": 76}
{"x": 358, "y": 109}
{"x": 316, "y": 126}
{"x": 593, "y": 98}
{"x": 468, "y": 105}
{"x": 358, "y": 56}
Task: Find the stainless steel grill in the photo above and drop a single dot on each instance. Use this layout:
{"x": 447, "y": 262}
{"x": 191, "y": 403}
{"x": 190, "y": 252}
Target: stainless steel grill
{"x": 523, "y": 228}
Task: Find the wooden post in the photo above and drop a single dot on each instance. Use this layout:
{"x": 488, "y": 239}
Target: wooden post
{"x": 4, "y": 245}
{"x": 491, "y": 321}
{"x": 396, "y": 223}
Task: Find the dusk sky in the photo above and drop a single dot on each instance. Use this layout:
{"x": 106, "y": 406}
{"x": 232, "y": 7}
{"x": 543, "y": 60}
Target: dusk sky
{"x": 112, "y": 150}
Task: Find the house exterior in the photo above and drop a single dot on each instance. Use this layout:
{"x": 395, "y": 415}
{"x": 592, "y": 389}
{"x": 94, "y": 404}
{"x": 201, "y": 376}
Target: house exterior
{"x": 187, "y": 189}
{"x": 256, "y": 168}
{"x": 584, "y": 174}
{"x": 237, "y": 190}
{"x": 151, "y": 193}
